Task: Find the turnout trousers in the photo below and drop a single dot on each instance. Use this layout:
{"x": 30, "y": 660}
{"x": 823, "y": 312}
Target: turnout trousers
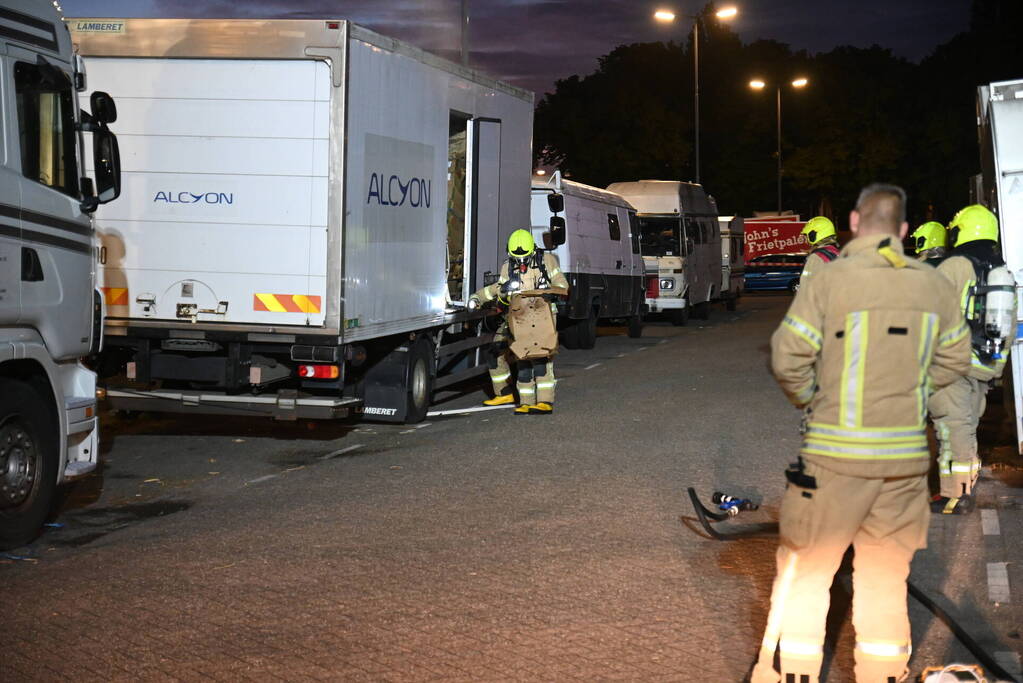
{"x": 500, "y": 368}
{"x": 885, "y": 520}
{"x": 956, "y": 411}
{"x": 536, "y": 380}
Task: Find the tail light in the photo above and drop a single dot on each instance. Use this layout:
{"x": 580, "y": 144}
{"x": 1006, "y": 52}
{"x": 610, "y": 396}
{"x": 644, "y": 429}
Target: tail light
{"x": 319, "y": 371}
{"x": 653, "y": 289}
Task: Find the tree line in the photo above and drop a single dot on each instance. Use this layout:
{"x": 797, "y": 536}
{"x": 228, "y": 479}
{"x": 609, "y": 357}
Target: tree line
{"x": 868, "y": 115}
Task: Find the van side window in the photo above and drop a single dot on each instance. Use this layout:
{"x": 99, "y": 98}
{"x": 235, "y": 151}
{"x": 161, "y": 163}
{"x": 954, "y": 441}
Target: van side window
{"x": 46, "y": 126}
{"x": 613, "y": 228}
{"x": 634, "y": 232}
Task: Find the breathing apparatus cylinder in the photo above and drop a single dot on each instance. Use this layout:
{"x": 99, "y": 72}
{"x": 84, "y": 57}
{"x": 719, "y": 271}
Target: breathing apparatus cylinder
{"x": 999, "y": 314}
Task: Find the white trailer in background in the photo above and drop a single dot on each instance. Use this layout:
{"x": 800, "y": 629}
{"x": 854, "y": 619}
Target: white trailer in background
{"x": 600, "y": 257}
{"x": 681, "y": 244}
{"x": 733, "y": 268}
{"x": 308, "y": 206}
{"x": 1000, "y": 118}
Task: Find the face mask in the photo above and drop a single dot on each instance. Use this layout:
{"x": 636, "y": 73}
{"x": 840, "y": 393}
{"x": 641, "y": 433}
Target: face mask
{"x": 812, "y": 236}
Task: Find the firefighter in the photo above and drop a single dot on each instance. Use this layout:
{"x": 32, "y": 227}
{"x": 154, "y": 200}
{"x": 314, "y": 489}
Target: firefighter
{"x": 957, "y": 408}
{"x": 930, "y": 241}
{"x": 527, "y": 270}
{"x": 858, "y": 348}
{"x": 820, "y": 234}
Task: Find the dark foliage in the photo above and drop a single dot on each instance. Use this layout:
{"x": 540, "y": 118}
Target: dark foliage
{"x": 868, "y": 115}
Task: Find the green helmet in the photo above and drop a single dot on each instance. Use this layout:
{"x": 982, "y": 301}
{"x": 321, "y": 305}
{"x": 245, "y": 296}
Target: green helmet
{"x": 930, "y": 235}
{"x": 817, "y": 229}
{"x": 521, "y": 244}
{"x": 973, "y": 223}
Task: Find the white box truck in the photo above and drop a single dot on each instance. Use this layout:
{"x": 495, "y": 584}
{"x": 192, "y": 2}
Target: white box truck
{"x": 1000, "y": 119}
{"x": 600, "y": 256}
{"x": 50, "y": 309}
{"x": 681, "y": 244}
{"x": 308, "y": 206}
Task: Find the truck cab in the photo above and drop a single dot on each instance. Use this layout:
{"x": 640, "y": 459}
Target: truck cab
{"x": 681, "y": 244}
{"x": 50, "y": 309}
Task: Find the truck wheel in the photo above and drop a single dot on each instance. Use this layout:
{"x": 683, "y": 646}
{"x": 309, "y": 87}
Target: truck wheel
{"x": 679, "y": 316}
{"x": 420, "y": 381}
{"x": 28, "y": 462}
{"x": 569, "y": 337}
{"x": 588, "y": 331}
{"x": 702, "y": 310}
{"x": 636, "y": 326}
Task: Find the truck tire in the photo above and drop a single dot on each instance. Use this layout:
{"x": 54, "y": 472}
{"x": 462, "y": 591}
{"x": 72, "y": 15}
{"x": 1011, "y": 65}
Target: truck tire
{"x": 702, "y": 310}
{"x": 28, "y": 462}
{"x": 636, "y": 326}
{"x": 569, "y": 336}
{"x": 587, "y": 334}
{"x": 420, "y": 381}
{"x": 679, "y": 316}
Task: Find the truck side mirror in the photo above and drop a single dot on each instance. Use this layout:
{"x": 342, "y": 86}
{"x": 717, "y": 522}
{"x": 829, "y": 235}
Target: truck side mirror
{"x": 107, "y": 159}
{"x": 557, "y": 230}
{"x": 103, "y": 108}
{"x": 556, "y": 202}
{"x": 89, "y": 199}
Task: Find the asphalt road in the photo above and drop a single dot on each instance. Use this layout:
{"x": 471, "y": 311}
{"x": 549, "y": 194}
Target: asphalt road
{"x": 475, "y": 546}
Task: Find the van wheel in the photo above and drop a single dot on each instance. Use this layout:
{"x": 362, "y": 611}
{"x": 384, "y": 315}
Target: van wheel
{"x": 636, "y": 326}
{"x": 679, "y": 316}
{"x": 588, "y": 331}
{"x": 420, "y": 381}
{"x": 28, "y": 462}
{"x": 702, "y": 310}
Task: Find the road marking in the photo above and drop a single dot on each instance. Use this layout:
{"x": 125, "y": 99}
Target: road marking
{"x": 425, "y": 424}
{"x": 663, "y": 341}
{"x": 620, "y": 355}
{"x": 341, "y": 451}
{"x": 1010, "y": 662}
{"x": 642, "y": 348}
{"x": 477, "y": 409}
{"x": 591, "y": 366}
{"x": 259, "y": 479}
{"x": 989, "y": 522}
{"x": 998, "y": 582}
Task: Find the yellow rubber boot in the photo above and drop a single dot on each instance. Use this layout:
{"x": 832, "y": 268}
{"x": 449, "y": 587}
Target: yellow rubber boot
{"x": 523, "y": 410}
{"x": 541, "y": 408}
{"x": 502, "y": 400}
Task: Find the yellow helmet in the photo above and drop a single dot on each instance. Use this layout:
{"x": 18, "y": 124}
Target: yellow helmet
{"x": 973, "y": 223}
{"x": 930, "y": 235}
{"x": 521, "y": 244}
{"x": 818, "y": 228}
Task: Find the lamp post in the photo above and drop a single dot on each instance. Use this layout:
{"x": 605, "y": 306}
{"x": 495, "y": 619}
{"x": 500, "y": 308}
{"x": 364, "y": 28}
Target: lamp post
{"x": 758, "y": 84}
{"x": 667, "y": 16}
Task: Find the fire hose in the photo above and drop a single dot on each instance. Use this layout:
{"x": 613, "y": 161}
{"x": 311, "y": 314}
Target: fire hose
{"x": 730, "y": 506}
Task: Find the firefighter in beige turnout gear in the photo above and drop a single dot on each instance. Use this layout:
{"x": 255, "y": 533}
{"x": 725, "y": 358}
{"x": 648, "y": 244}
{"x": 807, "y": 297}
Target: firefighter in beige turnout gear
{"x": 528, "y": 270}
{"x": 957, "y": 408}
{"x": 860, "y": 345}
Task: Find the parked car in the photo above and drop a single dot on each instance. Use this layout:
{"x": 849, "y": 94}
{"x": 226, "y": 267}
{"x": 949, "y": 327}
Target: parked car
{"x": 774, "y": 272}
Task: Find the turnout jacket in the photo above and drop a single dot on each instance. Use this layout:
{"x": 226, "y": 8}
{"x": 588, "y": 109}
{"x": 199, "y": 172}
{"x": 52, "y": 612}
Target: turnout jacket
{"x": 817, "y": 259}
{"x": 532, "y": 278}
{"x": 863, "y": 344}
{"x": 960, "y": 272}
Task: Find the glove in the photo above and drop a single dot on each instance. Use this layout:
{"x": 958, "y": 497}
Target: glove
{"x": 474, "y": 304}
{"x": 510, "y": 287}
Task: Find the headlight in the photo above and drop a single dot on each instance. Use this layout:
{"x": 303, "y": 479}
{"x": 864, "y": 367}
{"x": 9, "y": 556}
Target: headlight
{"x": 667, "y": 283}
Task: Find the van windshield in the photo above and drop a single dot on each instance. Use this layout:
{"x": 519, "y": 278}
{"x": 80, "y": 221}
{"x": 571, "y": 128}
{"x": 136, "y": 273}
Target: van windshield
{"x": 660, "y": 236}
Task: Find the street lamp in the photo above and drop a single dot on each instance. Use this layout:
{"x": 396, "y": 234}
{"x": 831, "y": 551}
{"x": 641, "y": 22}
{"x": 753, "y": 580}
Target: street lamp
{"x": 667, "y": 16}
{"x": 758, "y": 84}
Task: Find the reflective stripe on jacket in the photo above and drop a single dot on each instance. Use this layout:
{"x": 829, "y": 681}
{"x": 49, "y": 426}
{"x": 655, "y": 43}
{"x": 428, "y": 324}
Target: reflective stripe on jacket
{"x": 864, "y": 343}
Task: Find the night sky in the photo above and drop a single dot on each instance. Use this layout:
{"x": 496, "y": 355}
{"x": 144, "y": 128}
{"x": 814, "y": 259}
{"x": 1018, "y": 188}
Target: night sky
{"x": 532, "y": 43}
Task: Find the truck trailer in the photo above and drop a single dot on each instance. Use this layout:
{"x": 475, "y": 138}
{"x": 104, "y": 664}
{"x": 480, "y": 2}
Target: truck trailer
{"x": 1000, "y": 119}
{"x": 309, "y": 205}
{"x": 50, "y": 309}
